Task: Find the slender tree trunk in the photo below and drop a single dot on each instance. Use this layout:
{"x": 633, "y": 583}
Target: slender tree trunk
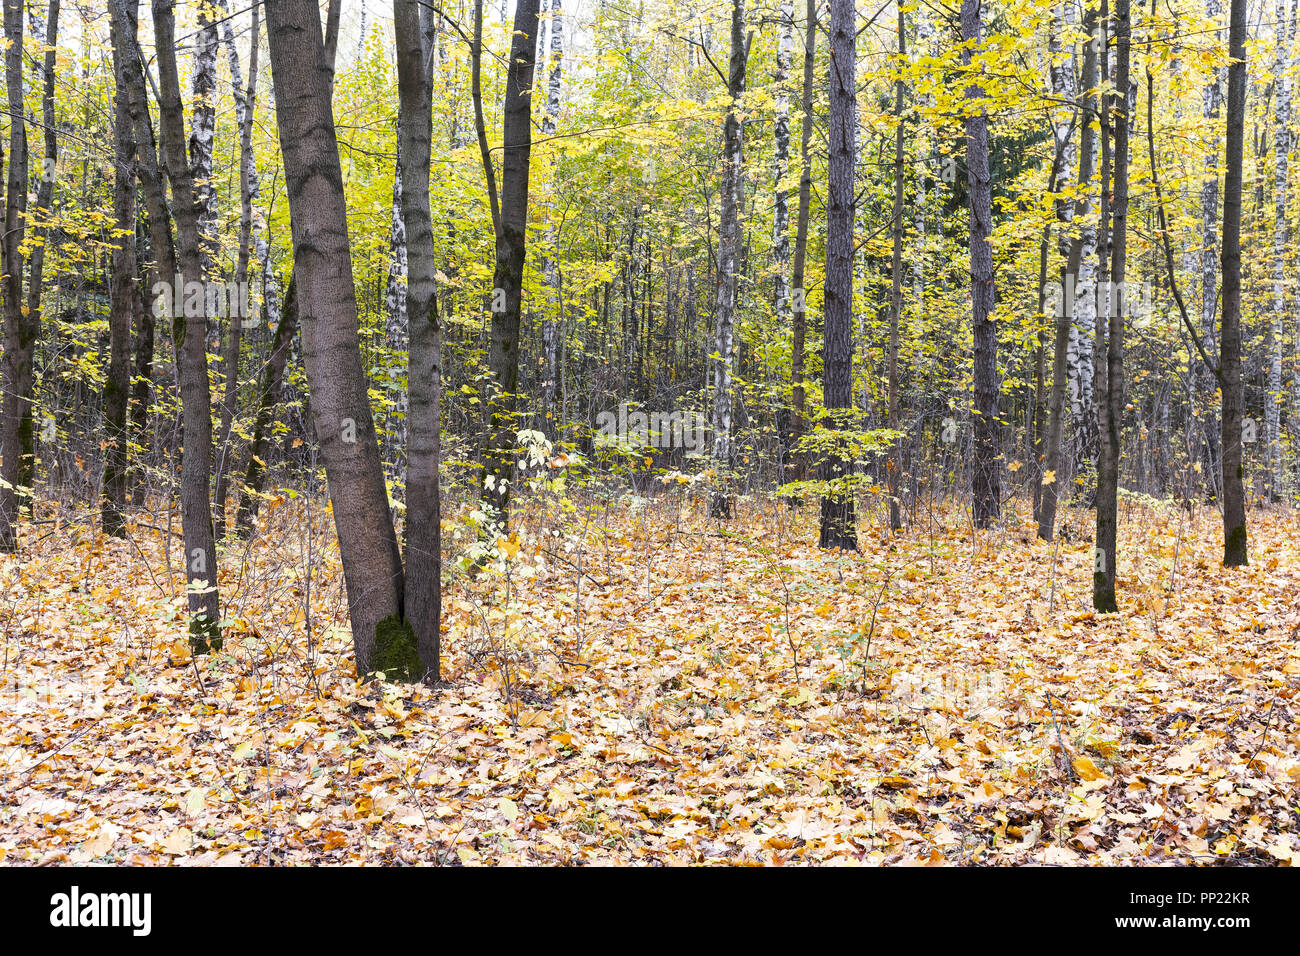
{"x": 16, "y": 438}
{"x": 985, "y": 478}
{"x": 269, "y": 385}
{"x": 1103, "y": 579}
{"x": 895, "y": 463}
{"x": 511, "y": 249}
{"x": 799, "y": 308}
{"x": 1281, "y": 150}
{"x": 1203, "y": 379}
{"x": 838, "y": 521}
{"x": 125, "y": 276}
{"x": 302, "y": 75}
{"x": 1234, "y": 494}
{"x": 1079, "y": 253}
{"x": 423, "y": 559}
{"x": 244, "y": 100}
{"x": 553, "y": 323}
{"x": 728, "y": 263}
{"x": 190, "y": 333}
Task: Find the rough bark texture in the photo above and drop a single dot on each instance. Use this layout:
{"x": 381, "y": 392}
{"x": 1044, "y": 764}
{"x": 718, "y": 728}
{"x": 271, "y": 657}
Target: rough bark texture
{"x": 895, "y": 463}
{"x": 985, "y": 473}
{"x": 1234, "y": 494}
{"x": 326, "y": 299}
{"x": 838, "y": 521}
{"x": 1203, "y": 379}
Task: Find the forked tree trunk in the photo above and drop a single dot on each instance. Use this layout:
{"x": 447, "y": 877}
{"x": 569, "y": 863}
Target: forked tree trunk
{"x": 302, "y": 77}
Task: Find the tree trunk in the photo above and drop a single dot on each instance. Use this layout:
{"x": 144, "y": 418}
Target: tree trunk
{"x": 799, "y": 307}
{"x": 125, "y": 276}
{"x": 1104, "y": 557}
{"x": 244, "y": 100}
{"x": 1203, "y": 379}
{"x": 728, "y": 263}
{"x": 985, "y": 479}
{"x": 19, "y": 334}
{"x": 511, "y": 249}
{"x": 302, "y": 75}
{"x": 1234, "y": 495}
{"x": 196, "y": 400}
{"x": 895, "y": 463}
{"x": 553, "y": 323}
{"x": 1281, "y": 150}
{"x": 1080, "y": 252}
{"x": 423, "y": 559}
{"x": 838, "y": 521}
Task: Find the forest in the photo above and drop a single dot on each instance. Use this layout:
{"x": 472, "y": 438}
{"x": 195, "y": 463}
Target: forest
{"x": 552, "y": 432}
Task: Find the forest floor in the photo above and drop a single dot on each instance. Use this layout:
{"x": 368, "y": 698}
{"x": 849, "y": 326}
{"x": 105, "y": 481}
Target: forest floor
{"x": 707, "y": 695}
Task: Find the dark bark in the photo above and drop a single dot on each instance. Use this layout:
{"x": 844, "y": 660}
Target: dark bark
{"x": 1104, "y": 557}
{"x": 507, "y": 279}
{"x": 1056, "y": 412}
{"x": 125, "y": 279}
{"x": 16, "y": 435}
{"x": 1234, "y": 494}
{"x": 799, "y": 312}
{"x": 326, "y": 299}
{"x": 985, "y": 476}
{"x": 423, "y": 558}
{"x": 838, "y": 521}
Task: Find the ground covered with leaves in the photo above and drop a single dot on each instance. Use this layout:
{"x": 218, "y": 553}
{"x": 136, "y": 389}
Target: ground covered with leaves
{"x": 631, "y": 683}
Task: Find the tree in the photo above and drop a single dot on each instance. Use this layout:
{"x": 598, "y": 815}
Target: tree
{"x": 895, "y": 463}
{"x": 126, "y": 274}
{"x": 20, "y": 334}
{"x": 510, "y": 218}
{"x": 423, "y": 544}
{"x": 728, "y": 254}
{"x": 1234, "y": 494}
{"x": 799, "y": 309}
{"x": 1103, "y": 578}
{"x": 985, "y": 483}
{"x": 838, "y": 522}
{"x": 302, "y": 77}
{"x": 1082, "y": 246}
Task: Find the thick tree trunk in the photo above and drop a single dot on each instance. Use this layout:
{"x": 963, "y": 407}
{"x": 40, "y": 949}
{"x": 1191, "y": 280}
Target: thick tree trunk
{"x": 728, "y": 264}
{"x": 302, "y": 75}
{"x": 1234, "y": 493}
{"x": 838, "y": 521}
{"x": 985, "y": 476}
{"x": 1104, "y": 557}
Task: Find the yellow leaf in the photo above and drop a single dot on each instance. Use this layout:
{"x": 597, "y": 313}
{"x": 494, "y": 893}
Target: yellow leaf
{"x": 1087, "y": 769}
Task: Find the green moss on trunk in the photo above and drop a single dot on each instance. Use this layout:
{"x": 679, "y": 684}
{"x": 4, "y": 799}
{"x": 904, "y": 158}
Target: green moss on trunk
{"x": 395, "y": 652}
